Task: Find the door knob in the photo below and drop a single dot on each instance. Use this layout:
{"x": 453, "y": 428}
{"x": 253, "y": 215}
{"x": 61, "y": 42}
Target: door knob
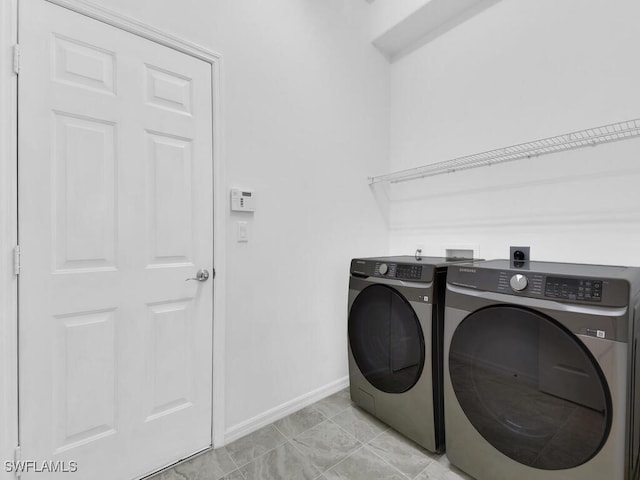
{"x": 201, "y": 276}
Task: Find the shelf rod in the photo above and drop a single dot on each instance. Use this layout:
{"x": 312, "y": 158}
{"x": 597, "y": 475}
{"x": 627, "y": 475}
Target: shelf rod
{"x": 569, "y": 141}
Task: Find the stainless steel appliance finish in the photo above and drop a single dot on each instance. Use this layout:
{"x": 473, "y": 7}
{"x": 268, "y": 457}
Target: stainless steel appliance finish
{"x": 539, "y": 371}
{"x": 396, "y": 307}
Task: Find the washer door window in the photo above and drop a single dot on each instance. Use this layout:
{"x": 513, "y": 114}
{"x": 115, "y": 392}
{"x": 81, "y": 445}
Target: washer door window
{"x": 530, "y": 387}
{"x": 386, "y": 339}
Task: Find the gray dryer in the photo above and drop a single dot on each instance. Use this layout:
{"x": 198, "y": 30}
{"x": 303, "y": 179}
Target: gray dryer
{"x": 539, "y": 370}
{"x": 396, "y": 307}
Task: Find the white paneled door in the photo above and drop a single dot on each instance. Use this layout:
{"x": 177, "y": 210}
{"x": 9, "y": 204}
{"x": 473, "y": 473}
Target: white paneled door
{"x": 115, "y": 213}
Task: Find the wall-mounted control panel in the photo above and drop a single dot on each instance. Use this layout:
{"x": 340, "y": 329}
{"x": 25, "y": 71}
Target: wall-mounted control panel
{"x": 243, "y": 200}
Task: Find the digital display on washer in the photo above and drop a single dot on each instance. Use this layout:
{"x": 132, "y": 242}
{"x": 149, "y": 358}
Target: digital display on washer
{"x": 573, "y": 289}
{"x": 412, "y": 272}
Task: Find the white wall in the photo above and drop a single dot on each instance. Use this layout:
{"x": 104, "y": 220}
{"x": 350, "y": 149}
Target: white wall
{"x": 306, "y": 120}
{"x": 521, "y": 71}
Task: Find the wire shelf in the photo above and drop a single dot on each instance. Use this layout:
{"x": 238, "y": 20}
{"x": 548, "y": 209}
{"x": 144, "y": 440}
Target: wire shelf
{"x": 590, "y": 137}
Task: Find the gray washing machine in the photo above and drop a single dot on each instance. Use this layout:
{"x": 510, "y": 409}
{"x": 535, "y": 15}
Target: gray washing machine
{"x": 396, "y": 307}
{"x": 539, "y": 371}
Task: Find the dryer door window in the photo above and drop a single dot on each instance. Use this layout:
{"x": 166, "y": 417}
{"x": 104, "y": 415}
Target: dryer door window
{"x": 386, "y": 339}
{"x": 530, "y": 387}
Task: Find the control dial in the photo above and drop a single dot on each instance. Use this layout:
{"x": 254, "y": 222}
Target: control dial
{"x": 519, "y": 282}
{"x": 383, "y": 269}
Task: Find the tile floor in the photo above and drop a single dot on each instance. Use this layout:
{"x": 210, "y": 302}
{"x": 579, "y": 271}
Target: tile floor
{"x": 329, "y": 440}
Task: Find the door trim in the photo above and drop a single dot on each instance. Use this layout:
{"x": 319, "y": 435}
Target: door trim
{"x": 9, "y": 182}
{"x": 8, "y": 233}
{"x": 140, "y": 29}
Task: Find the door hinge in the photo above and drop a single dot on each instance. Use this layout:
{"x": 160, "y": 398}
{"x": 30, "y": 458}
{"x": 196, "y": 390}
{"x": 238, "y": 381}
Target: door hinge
{"x": 16, "y": 260}
{"x": 16, "y": 59}
{"x": 17, "y": 459}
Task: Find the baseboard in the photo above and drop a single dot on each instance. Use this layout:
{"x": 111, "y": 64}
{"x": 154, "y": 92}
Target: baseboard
{"x": 251, "y": 425}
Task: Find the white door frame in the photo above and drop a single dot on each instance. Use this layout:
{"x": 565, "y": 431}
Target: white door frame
{"x": 9, "y": 210}
{"x": 8, "y": 235}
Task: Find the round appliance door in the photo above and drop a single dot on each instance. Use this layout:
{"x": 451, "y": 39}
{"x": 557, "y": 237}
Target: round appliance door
{"x": 386, "y": 339}
{"x": 530, "y": 387}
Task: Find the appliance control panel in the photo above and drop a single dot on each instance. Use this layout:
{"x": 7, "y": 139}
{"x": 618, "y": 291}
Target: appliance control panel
{"x": 589, "y": 290}
{"x": 538, "y": 285}
{"x": 509, "y": 282}
{"x": 385, "y": 270}
{"x": 394, "y": 270}
{"x": 410, "y": 272}
{"x": 574, "y": 289}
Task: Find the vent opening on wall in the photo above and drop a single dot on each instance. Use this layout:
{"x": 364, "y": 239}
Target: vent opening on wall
{"x": 459, "y": 253}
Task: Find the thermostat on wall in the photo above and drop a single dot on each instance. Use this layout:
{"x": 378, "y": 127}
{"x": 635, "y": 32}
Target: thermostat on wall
{"x": 243, "y": 200}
